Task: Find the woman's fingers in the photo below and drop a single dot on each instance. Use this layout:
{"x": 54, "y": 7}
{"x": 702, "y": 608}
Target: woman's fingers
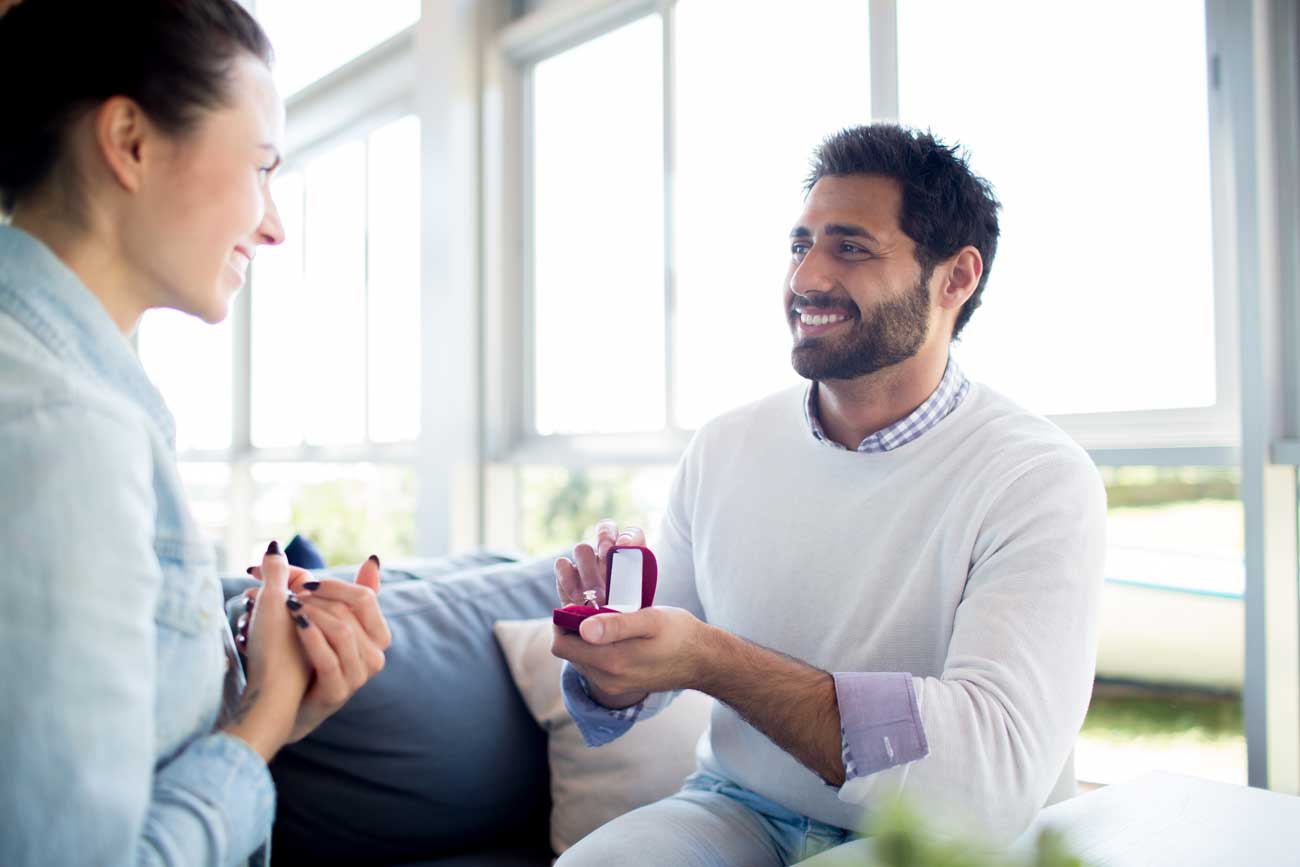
{"x": 371, "y": 651}
{"x": 368, "y": 573}
{"x": 331, "y": 684}
{"x": 341, "y": 634}
{"x": 359, "y": 598}
{"x": 297, "y": 576}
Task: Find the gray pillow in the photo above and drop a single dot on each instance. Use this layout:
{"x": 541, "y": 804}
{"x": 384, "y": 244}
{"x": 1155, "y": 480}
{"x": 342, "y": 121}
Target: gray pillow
{"x": 437, "y": 755}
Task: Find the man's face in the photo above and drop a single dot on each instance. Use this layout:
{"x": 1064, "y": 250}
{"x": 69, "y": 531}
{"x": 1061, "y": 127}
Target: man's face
{"x": 855, "y": 297}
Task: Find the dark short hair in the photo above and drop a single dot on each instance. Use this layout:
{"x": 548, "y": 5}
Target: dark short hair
{"x": 59, "y": 58}
{"x": 945, "y": 205}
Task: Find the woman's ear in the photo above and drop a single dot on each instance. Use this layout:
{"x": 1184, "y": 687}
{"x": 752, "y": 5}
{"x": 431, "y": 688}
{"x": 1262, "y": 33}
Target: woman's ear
{"x": 123, "y": 137}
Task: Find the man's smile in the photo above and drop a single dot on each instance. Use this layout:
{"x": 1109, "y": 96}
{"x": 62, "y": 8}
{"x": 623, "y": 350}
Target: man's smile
{"x": 814, "y": 322}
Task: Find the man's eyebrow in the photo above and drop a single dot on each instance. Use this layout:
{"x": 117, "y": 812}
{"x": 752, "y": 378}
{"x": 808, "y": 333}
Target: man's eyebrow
{"x": 850, "y": 230}
{"x": 845, "y": 229}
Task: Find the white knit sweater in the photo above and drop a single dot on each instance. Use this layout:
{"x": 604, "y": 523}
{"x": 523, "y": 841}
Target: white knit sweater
{"x": 970, "y": 558}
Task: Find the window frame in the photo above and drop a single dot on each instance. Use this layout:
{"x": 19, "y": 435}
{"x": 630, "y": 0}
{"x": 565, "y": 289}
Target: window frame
{"x": 1254, "y": 423}
{"x": 512, "y": 438}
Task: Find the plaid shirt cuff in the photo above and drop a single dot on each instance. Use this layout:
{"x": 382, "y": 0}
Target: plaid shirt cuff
{"x": 880, "y": 722}
{"x": 599, "y": 724}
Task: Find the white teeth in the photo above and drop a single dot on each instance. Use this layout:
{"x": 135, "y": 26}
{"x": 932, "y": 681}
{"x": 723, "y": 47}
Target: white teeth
{"x": 823, "y": 319}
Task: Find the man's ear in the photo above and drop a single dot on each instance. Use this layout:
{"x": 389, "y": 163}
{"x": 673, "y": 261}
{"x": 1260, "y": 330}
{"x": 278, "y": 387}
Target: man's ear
{"x": 959, "y": 277}
{"x": 123, "y": 138}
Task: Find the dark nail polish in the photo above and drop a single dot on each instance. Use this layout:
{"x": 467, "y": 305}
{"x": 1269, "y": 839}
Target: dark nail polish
{"x": 375, "y": 559}
{"x": 302, "y": 622}
{"x": 293, "y": 603}
{"x": 248, "y": 603}
{"x": 273, "y": 549}
{"x": 249, "y": 570}
{"x": 311, "y": 585}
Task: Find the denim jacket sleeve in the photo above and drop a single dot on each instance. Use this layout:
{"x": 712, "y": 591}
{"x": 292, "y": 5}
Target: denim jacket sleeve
{"x": 78, "y": 663}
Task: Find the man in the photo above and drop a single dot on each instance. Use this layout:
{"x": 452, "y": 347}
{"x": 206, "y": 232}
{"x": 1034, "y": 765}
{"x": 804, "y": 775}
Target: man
{"x": 887, "y": 579}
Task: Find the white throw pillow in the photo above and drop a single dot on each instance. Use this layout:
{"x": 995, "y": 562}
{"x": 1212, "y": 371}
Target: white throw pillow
{"x": 591, "y": 785}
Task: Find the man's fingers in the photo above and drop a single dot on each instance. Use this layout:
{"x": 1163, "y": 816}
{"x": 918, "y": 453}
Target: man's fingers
{"x": 609, "y": 628}
{"x": 568, "y": 584}
{"x": 606, "y": 536}
{"x": 631, "y": 536}
{"x": 566, "y": 645}
{"x": 368, "y": 573}
{"x": 589, "y": 571}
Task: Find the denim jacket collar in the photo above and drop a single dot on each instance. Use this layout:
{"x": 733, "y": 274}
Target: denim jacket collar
{"x": 47, "y": 298}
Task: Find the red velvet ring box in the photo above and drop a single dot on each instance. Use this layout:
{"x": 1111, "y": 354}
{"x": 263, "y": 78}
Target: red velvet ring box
{"x": 570, "y": 617}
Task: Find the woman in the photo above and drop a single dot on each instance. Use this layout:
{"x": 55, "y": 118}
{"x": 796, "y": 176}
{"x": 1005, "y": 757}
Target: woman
{"x": 137, "y": 146}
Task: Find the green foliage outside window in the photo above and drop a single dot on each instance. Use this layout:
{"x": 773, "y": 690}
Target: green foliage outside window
{"x": 350, "y": 519}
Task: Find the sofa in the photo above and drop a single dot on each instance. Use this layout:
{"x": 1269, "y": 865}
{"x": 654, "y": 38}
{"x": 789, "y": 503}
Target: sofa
{"x": 444, "y": 758}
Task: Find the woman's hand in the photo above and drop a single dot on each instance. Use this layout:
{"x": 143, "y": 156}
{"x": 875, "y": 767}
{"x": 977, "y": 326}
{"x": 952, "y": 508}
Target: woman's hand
{"x": 346, "y": 646}
{"x": 278, "y": 671}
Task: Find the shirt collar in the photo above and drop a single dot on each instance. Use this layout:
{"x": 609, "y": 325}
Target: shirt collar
{"x": 44, "y": 295}
{"x": 942, "y": 401}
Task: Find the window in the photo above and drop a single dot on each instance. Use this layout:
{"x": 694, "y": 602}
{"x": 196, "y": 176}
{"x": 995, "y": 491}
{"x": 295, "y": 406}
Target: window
{"x": 190, "y": 363}
{"x": 559, "y": 506}
{"x": 1101, "y": 297}
{"x": 598, "y": 223}
{"x": 335, "y": 322}
{"x": 338, "y": 31}
{"x": 350, "y": 510}
{"x": 1114, "y": 314}
{"x": 744, "y": 132}
{"x": 1171, "y": 649}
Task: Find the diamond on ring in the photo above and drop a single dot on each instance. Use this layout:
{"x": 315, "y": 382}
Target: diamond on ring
{"x": 589, "y": 596}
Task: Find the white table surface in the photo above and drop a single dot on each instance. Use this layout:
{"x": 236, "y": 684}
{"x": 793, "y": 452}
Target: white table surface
{"x": 1163, "y": 819}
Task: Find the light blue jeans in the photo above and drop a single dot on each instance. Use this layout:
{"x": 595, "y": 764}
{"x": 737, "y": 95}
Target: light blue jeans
{"x": 710, "y": 823}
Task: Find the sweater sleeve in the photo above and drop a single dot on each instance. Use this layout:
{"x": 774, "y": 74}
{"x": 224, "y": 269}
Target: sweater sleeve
{"x": 78, "y": 671}
{"x": 1002, "y": 717}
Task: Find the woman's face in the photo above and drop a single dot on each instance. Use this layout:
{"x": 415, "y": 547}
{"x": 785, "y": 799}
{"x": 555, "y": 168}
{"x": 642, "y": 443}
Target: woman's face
{"x": 204, "y": 207}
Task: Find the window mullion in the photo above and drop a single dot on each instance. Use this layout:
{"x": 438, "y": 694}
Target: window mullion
{"x": 668, "y": 16}
{"x": 884, "y": 59}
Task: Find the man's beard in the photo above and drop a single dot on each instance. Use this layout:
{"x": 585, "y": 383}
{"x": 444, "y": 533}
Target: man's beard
{"x": 894, "y": 332}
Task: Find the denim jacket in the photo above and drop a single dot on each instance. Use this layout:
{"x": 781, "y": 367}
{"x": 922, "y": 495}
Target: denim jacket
{"x": 115, "y": 657}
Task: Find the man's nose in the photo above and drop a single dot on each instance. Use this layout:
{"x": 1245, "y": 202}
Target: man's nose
{"x": 811, "y": 276}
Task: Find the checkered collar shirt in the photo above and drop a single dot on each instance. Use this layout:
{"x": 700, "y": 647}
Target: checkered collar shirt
{"x": 947, "y": 397}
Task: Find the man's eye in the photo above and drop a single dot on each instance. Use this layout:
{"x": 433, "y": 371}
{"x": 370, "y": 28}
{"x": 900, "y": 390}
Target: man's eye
{"x": 853, "y": 249}
{"x": 798, "y": 249}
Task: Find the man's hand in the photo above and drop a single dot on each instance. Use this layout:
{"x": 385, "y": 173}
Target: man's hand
{"x": 624, "y": 657}
{"x": 586, "y": 571}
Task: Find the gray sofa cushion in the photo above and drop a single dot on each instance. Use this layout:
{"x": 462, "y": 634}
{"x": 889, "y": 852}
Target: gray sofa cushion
{"x": 436, "y": 757}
